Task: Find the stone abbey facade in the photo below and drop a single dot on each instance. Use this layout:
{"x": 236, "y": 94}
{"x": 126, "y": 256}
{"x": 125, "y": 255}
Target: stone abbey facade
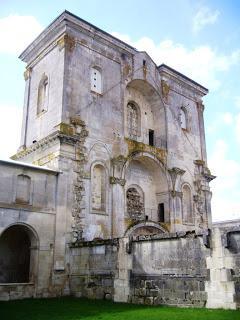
{"x": 108, "y": 195}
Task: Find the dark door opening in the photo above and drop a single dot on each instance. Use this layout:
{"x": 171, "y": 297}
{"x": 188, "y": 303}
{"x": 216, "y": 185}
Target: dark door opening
{"x": 151, "y": 137}
{"x": 14, "y": 255}
{"x": 161, "y": 212}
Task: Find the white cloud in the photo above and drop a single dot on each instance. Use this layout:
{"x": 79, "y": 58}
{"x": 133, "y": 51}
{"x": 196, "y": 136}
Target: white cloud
{"x": 10, "y": 124}
{"x": 220, "y": 120}
{"x": 17, "y": 32}
{"x": 204, "y": 17}
{"x": 227, "y": 118}
{"x": 201, "y": 63}
{"x": 226, "y": 194}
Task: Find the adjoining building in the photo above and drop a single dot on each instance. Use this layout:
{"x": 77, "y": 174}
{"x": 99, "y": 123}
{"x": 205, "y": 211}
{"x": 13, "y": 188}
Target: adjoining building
{"x": 108, "y": 195}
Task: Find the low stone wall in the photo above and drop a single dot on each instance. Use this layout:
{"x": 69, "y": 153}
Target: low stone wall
{"x": 167, "y": 290}
{"x": 16, "y": 291}
{"x": 93, "y": 268}
{"x": 170, "y": 271}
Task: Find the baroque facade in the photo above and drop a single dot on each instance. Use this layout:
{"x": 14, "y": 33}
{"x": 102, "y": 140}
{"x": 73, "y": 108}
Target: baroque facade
{"x": 108, "y": 195}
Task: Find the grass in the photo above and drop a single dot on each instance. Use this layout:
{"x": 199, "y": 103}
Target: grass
{"x": 76, "y": 309}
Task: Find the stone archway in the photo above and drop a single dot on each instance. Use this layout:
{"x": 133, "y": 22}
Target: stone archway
{"x": 144, "y": 172}
{"x": 151, "y": 112}
{"x": 18, "y": 244}
{"x": 145, "y": 228}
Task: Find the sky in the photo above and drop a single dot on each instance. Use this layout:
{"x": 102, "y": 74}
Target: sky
{"x": 201, "y": 39}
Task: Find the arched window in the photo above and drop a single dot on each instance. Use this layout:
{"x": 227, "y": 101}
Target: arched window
{"x": 183, "y": 118}
{"x": 133, "y": 120}
{"x": 23, "y": 189}
{"x": 187, "y": 211}
{"x": 135, "y": 203}
{"x": 99, "y": 188}
{"x": 96, "y": 80}
{"x": 42, "y": 94}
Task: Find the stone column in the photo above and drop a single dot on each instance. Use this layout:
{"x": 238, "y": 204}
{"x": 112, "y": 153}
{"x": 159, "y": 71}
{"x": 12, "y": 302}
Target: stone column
{"x": 220, "y": 288}
{"x": 122, "y": 281}
{"x": 200, "y": 109}
{"x": 175, "y": 205}
{"x": 117, "y": 207}
{"x": 27, "y": 77}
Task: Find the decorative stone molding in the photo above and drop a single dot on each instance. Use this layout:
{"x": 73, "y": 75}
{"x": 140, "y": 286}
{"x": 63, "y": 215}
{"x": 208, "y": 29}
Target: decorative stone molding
{"x": 200, "y": 106}
{"x": 176, "y": 194}
{"x": 199, "y": 162}
{"x": 27, "y": 73}
{"x": 135, "y": 146}
{"x": 114, "y": 180}
{"x": 165, "y": 90}
{"x": 145, "y": 72}
{"x": 66, "y": 41}
{"x": 174, "y": 173}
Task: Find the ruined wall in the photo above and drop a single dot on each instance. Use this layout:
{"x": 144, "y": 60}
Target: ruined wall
{"x": 224, "y": 264}
{"x": 169, "y": 271}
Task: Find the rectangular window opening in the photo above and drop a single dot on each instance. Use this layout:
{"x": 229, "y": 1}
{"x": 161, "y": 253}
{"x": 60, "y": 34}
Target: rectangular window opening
{"x": 151, "y": 137}
{"x": 161, "y": 212}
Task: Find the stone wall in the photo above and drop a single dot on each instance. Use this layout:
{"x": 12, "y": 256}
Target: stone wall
{"x": 169, "y": 271}
{"x": 93, "y": 267}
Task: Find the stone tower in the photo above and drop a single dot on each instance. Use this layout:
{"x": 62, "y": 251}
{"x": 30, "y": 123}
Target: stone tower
{"x": 127, "y": 135}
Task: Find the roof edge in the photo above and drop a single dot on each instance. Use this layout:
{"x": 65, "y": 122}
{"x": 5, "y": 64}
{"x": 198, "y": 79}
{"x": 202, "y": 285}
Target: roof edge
{"x": 28, "y": 165}
{"x": 163, "y": 65}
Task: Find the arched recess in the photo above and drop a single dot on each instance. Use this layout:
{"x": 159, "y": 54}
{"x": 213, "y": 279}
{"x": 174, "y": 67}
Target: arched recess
{"x": 184, "y": 118}
{"x": 23, "y": 189}
{"x": 145, "y": 228}
{"x": 133, "y": 120}
{"x": 152, "y": 109}
{"x": 98, "y": 187}
{"x": 18, "y": 254}
{"x": 144, "y": 170}
{"x": 187, "y": 205}
{"x": 43, "y": 89}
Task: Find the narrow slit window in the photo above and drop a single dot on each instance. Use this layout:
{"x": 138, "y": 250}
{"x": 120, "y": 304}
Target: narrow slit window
{"x": 151, "y": 137}
{"x": 161, "y": 217}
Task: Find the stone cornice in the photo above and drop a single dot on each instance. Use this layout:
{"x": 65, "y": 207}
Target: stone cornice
{"x": 53, "y": 138}
{"x": 62, "y": 24}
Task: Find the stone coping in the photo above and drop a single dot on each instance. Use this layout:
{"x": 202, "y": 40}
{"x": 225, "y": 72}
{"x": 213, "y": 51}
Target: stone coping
{"x": 14, "y": 284}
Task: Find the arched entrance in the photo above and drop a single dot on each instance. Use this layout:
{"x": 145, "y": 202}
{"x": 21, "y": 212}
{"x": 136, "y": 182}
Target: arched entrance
{"x": 18, "y": 244}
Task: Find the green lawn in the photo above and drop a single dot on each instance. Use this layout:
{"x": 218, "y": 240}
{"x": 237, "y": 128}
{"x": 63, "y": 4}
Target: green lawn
{"x": 74, "y": 309}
